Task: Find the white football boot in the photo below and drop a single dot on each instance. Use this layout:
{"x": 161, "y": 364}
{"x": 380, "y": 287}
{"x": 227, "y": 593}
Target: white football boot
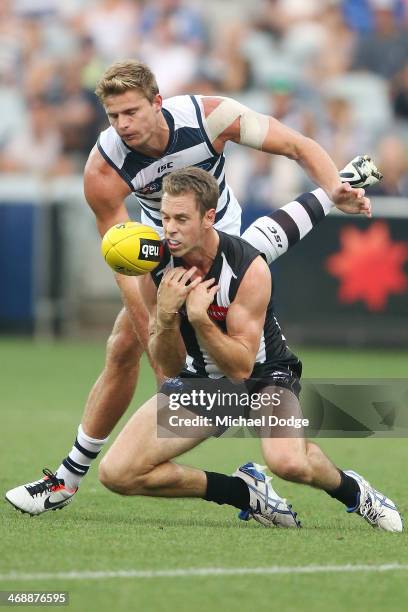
{"x": 375, "y": 507}
{"x": 266, "y": 506}
{"x": 48, "y": 493}
{"x": 361, "y": 172}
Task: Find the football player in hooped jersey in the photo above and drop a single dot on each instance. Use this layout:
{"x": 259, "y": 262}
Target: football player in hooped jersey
{"x": 147, "y": 139}
{"x": 204, "y": 269}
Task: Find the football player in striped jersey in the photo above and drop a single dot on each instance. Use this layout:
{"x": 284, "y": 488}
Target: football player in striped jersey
{"x": 148, "y": 138}
{"x": 204, "y": 273}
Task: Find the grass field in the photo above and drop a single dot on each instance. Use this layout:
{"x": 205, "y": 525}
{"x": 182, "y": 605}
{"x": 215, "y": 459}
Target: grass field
{"x": 43, "y": 390}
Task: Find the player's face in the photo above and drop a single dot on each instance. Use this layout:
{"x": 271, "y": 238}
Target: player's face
{"x": 134, "y": 118}
{"x": 184, "y": 227}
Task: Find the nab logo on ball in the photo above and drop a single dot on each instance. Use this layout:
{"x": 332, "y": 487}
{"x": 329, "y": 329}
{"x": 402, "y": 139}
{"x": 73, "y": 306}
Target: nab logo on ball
{"x": 132, "y": 248}
{"x": 150, "y": 250}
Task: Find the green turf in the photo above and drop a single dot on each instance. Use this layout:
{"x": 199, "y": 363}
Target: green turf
{"x": 43, "y": 390}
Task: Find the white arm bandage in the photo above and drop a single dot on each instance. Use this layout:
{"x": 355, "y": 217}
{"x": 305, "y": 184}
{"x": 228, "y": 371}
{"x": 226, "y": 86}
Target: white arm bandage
{"x": 253, "y": 125}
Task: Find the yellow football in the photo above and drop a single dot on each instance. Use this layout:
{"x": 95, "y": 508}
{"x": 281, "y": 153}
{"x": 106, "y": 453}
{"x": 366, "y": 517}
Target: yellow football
{"x": 132, "y": 248}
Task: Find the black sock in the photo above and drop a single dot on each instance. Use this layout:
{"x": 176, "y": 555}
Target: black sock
{"x": 348, "y": 492}
{"x": 223, "y": 489}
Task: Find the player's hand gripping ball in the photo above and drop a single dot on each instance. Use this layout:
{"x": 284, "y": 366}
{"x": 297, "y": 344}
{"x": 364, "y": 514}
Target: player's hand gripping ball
{"x": 132, "y": 248}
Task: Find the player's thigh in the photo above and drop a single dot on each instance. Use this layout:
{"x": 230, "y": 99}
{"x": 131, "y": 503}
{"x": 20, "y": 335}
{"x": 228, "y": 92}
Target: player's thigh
{"x": 140, "y": 447}
{"x": 282, "y": 438}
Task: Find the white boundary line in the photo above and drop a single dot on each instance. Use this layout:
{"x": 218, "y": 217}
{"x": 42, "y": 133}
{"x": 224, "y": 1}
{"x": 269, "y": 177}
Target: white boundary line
{"x": 203, "y": 571}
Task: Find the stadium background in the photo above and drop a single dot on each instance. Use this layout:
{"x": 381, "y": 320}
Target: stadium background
{"x": 335, "y": 70}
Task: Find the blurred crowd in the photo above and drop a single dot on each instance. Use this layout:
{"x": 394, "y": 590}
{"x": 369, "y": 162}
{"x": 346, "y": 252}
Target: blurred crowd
{"x": 336, "y": 70}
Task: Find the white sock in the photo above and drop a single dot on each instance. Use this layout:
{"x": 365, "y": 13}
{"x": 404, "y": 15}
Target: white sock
{"x": 77, "y": 463}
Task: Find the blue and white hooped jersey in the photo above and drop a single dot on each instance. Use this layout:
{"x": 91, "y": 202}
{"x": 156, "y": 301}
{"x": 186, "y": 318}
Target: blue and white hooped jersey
{"x": 189, "y": 145}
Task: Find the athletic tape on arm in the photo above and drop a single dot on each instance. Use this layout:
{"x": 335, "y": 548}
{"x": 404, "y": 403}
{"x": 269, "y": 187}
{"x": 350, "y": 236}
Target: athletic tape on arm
{"x": 253, "y": 125}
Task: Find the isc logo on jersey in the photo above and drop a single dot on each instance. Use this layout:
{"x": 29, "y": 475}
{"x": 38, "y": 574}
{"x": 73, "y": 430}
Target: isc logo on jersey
{"x": 132, "y": 248}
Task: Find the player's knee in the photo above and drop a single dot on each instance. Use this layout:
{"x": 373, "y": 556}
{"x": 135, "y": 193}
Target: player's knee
{"x": 107, "y": 475}
{"x": 123, "y": 480}
{"x": 294, "y": 469}
{"x": 113, "y": 478}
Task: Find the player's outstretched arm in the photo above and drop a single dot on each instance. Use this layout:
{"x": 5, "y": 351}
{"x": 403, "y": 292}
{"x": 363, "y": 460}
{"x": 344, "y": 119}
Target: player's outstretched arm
{"x": 274, "y": 234}
{"x": 226, "y": 120}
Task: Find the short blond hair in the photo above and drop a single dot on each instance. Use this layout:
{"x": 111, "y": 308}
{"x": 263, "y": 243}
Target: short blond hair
{"x": 126, "y": 75}
{"x": 193, "y": 180}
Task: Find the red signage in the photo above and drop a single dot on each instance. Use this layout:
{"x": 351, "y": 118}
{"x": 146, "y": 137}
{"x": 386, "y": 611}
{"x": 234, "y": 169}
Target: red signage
{"x": 369, "y": 266}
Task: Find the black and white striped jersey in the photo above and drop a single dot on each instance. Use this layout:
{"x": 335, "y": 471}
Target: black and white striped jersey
{"x": 189, "y": 145}
{"x": 234, "y": 256}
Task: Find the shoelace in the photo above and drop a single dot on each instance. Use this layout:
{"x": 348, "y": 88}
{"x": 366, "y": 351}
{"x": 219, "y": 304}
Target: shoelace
{"x": 370, "y": 512}
{"x": 44, "y": 485}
